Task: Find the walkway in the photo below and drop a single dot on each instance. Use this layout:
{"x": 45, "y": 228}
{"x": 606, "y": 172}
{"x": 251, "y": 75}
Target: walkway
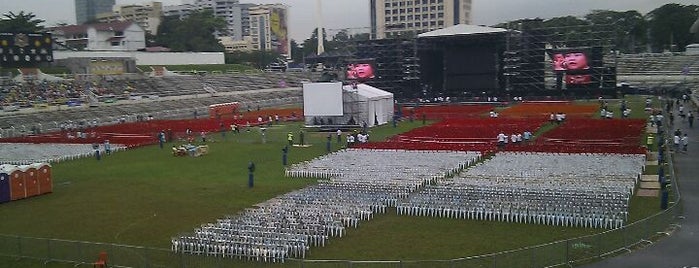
{"x": 681, "y": 248}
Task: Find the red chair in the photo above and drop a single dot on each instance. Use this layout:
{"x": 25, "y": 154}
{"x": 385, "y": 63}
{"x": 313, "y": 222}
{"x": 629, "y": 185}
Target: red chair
{"x": 101, "y": 261}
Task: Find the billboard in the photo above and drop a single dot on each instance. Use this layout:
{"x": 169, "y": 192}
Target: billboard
{"x": 279, "y": 29}
{"x": 25, "y": 49}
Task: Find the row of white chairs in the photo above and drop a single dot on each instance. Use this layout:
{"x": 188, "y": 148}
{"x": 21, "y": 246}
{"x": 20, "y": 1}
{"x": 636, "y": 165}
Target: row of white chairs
{"x": 26, "y": 153}
{"x": 587, "y": 190}
{"x": 293, "y": 222}
{"x": 361, "y": 183}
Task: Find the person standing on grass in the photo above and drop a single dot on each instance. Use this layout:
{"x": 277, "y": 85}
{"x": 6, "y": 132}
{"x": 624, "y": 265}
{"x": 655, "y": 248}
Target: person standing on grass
{"x": 690, "y": 118}
{"x": 339, "y": 135}
{"x": 290, "y": 138}
{"x": 107, "y": 147}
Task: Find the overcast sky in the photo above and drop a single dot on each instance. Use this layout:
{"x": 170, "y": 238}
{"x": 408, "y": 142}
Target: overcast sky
{"x": 354, "y": 14}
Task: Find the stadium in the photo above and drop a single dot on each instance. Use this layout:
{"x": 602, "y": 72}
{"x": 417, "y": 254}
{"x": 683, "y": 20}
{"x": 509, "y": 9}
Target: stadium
{"x": 514, "y": 163}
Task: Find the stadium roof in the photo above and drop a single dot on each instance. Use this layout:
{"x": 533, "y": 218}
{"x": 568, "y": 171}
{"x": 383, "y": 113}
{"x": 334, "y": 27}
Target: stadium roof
{"x": 462, "y": 29}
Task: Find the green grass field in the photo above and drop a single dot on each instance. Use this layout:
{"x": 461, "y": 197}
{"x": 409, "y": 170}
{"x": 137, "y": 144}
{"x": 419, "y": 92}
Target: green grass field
{"x": 145, "y": 196}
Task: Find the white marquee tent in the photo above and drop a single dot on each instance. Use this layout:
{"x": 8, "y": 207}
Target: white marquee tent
{"x": 368, "y": 104}
{"x": 328, "y": 104}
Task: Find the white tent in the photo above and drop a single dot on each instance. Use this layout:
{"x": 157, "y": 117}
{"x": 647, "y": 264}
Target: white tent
{"x": 367, "y": 104}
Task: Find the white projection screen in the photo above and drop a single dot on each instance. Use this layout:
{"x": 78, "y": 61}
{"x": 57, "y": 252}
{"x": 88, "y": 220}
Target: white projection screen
{"x": 322, "y": 99}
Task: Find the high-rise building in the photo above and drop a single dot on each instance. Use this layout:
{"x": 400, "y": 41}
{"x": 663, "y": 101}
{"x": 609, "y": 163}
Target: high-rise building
{"x": 269, "y": 28}
{"x": 390, "y": 18}
{"x": 228, "y": 10}
{"x": 87, "y": 10}
{"x": 147, "y": 16}
{"x": 245, "y": 17}
{"x": 180, "y": 11}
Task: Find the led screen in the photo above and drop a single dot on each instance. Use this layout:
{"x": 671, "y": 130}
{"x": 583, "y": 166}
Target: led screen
{"x": 570, "y": 61}
{"x": 360, "y": 71}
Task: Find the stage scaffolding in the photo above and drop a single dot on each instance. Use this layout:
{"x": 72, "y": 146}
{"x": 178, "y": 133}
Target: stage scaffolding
{"x": 527, "y": 63}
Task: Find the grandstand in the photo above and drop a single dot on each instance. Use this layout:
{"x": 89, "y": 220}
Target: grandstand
{"x": 42, "y": 105}
{"x": 659, "y": 71}
{"x": 658, "y": 63}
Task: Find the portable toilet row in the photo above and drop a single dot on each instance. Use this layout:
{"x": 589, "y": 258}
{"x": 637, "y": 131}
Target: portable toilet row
{"x": 19, "y": 182}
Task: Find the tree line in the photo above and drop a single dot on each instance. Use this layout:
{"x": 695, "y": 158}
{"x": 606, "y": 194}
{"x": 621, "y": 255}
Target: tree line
{"x": 665, "y": 28}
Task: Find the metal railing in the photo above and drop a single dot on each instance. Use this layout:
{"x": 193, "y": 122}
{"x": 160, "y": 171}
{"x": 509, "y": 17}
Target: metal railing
{"x": 574, "y": 251}
{"x": 568, "y": 252}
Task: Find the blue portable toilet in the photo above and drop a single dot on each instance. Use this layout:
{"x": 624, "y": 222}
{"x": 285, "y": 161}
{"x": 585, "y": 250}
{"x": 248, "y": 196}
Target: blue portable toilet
{"x": 4, "y": 185}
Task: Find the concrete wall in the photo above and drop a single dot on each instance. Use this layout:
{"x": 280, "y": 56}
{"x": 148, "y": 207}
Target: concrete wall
{"x": 149, "y": 58}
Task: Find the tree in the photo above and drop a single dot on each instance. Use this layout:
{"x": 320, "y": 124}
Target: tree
{"x": 20, "y": 23}
{"x": 310, "y": 45}
{"x": 194, "y": 33}
{"x": 341, "y": 36}
{"x": 361, "y": 36}
{"x": 296, "y": 52}
{"x": 258, "y": 59}
{"x": 669, "y": 26}
{"x": 626, "y": 29}
{"x": 569, "y": 30}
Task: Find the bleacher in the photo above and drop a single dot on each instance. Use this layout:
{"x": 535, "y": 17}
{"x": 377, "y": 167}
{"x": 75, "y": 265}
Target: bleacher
{"x": 657, "y": 63}
{"x": 162, "y": 97}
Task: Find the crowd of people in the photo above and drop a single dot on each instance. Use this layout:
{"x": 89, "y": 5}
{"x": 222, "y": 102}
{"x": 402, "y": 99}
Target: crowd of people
{"x": 28, "y": 93}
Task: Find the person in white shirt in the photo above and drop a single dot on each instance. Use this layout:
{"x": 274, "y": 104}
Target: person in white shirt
{"x": 676, "y": 142}
{"x": 501, "y": 140}
{"x": 339, "y": 135}
{"x": 350, "y": 140}
{"x": 685, "y": 142}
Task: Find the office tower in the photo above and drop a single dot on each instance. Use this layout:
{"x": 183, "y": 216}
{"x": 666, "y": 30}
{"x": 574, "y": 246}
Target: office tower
{"x": 87, "y": 10}
{"x": 391, "y": 18}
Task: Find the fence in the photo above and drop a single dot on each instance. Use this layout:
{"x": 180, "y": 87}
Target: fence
{"x": 560, "y": 253}
{"x": 568, "y": 252}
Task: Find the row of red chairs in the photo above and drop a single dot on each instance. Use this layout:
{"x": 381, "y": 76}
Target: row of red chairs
{"x": 137, "y": 133}
{"x": 446, "y": 111}
{"x": 545, "y": 109}
{"x": 586, "y": 135}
